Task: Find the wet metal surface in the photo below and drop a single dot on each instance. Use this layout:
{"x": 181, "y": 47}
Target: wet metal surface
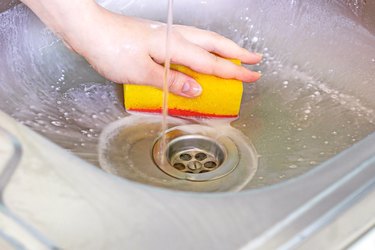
{"x": 314, "y": 100}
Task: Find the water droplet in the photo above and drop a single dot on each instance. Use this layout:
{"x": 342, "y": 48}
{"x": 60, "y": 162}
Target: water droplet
{"x": 56, "y": 123}
{"x": 254, "y": 39}
{"x": 285, "y": 82}
{"x": 293, "y": 166}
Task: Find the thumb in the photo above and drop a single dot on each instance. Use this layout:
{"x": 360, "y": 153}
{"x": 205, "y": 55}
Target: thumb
{"x": 183, "y": 85}
{"x": 178, "y": 83}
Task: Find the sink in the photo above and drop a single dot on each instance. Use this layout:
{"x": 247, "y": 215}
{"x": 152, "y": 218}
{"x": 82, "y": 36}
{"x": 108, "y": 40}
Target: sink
{"x": 309, "y": 122}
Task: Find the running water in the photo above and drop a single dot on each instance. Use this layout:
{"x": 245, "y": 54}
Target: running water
{"x": 164, "y": 124}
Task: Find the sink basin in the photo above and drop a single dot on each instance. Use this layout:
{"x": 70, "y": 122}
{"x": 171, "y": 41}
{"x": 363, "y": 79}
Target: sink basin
{"x": 310, "y": 120}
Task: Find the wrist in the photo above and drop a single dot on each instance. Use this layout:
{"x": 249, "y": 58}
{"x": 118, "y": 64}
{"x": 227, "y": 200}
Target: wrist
{"x": 68, "y": 19}
{"x": 81, "y": 26}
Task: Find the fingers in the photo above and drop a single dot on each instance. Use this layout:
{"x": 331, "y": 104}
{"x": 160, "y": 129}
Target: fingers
{"x": 178, "y": 83}
{"x": 218, "y": 44}
{"x": 198, "y": 59}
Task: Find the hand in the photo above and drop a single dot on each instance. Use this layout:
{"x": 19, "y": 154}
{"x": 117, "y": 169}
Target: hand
{"x": 131, "y": 50}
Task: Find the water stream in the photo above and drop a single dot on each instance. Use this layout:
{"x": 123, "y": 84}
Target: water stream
{"x": 168, "y": 44}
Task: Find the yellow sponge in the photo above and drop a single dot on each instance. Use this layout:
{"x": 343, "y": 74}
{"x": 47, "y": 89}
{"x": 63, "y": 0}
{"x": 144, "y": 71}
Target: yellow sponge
{"x": 219, "y": 98}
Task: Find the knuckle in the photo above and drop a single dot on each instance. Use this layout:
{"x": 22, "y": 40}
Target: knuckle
{"x": 172, "y": 80}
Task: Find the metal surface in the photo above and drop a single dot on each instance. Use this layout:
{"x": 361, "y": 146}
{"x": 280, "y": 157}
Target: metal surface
{"x": 7, "y": 4}
{"x": 305, "y": 109}
{"x": 117, "y": 210}
{"x": 14, "y": 232}
{"x": 310, "y": 118}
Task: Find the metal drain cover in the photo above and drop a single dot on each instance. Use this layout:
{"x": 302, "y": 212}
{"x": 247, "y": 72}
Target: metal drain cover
{"x": 195, "y": 157}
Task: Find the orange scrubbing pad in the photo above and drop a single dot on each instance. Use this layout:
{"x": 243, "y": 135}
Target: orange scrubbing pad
{"x": 219, "y": 98}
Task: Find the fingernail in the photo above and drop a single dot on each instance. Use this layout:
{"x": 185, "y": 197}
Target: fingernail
{"x": 191, "y": 88}
{"x": 259, "y": 54}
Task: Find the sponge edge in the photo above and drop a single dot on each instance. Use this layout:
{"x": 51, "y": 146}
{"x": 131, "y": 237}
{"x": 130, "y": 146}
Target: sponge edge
{"x": 220, "y": 98}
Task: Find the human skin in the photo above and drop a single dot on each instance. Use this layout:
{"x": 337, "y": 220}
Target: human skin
{"x": 132, "y": 50}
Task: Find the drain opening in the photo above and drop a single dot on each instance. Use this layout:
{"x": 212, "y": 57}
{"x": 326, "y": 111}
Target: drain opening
{"x": 196, "y": 157}
{"x": 194, "y": 154}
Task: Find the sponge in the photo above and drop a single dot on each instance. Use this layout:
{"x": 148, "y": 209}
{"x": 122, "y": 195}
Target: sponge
{"x": 220, "y": 98}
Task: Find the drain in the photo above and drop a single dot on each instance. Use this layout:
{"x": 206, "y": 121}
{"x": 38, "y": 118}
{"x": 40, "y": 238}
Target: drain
{"x": 195, "y": 154}
{"x": 196, "y": 157}
{"x": 200, "y": 158}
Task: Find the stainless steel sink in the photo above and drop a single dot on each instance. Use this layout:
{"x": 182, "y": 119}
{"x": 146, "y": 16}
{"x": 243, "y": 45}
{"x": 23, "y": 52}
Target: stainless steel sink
{"x": 309, "y": 120}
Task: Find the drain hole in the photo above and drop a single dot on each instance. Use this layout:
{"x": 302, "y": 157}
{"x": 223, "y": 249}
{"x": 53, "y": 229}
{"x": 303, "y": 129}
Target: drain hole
{"x": 190, "y": 155}
{"x": 185, "y": 157}
{"x": 210, "y": 164}
{"x": 200, "y": 156}
{"x": 179, "y": 166}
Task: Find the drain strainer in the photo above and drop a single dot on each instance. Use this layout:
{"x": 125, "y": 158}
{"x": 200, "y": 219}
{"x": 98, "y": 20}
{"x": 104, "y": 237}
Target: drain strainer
{"x": 195, "y": 157}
